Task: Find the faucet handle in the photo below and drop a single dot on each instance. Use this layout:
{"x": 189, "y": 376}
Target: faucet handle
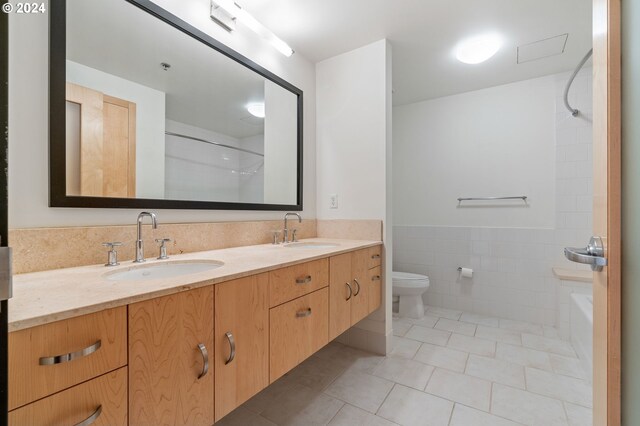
{"x": 276, "y": 237}
{"x": 294, "y": 235}
{"x": 163, "y": 247}
{"x": 112, "y": 255}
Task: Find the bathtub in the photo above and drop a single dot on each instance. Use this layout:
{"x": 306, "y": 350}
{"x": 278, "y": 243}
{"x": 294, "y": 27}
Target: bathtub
{"x": 582, "y": 330}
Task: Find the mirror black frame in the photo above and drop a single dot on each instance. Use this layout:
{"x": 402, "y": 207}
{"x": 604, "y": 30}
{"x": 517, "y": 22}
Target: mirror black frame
{"x": 57, "y": 120}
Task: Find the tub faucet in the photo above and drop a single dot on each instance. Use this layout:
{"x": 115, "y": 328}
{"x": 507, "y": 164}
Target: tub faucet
{"x": 139, "y": 243}
{"x": 285, "y": 232}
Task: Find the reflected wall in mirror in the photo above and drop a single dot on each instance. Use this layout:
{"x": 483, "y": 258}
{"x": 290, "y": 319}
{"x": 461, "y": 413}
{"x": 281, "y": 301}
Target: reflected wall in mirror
{"x": 158, "y": 114}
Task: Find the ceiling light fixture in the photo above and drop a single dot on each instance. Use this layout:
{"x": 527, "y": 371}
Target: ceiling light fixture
{"x": 227, "y": 12}
{"x": 257, "y": 110}
{"x": 478, "y": 49}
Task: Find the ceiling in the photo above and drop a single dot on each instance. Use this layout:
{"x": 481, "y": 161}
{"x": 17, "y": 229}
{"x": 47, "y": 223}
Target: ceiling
{"x": 423, "y": 34}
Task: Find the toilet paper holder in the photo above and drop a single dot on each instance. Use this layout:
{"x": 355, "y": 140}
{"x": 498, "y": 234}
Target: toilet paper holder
{"x": 465, "y": 272}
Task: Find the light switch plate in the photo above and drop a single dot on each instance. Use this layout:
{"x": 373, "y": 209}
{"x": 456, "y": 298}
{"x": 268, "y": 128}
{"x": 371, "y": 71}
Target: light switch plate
{"x": 333, "y": 201}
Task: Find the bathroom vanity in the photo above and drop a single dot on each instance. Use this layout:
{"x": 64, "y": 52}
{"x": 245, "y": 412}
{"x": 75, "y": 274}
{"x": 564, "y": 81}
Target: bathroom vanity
{"x": 85, "y": 348}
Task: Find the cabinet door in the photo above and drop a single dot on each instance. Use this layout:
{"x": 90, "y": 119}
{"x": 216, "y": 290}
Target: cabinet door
{"x": 298, "y": 329}
{"x": 375, "y": 287}
{"x": 168, "y": 380}
{"x": 361, "y": 289}
{"x": 340, "y": 294}
{"x": 242, "y": 341}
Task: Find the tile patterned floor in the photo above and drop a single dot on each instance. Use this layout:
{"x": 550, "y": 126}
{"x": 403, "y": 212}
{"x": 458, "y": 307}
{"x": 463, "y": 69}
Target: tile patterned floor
{"x": 447, "y": 369}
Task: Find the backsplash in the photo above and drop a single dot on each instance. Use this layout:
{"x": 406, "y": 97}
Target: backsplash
{"x": 42, "y": 249}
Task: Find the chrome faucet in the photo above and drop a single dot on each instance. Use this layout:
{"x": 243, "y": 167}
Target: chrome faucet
{"x": 139, "y": 243}
{"x": 285, "y": 233}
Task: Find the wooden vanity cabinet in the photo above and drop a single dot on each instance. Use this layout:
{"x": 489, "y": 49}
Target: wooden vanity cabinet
{"x": 351, "y": 294}
{"x": 241, "y": 357}
{"x": 171, "y": 379}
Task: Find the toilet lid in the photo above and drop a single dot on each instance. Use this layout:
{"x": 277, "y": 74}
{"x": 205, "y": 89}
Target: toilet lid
{"x": 408, "y": 276}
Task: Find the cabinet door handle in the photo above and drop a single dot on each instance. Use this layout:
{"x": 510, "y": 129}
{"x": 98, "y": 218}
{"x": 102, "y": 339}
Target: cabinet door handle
{"x": 303, "y": 280}
{"x": 232, "y": 347}
{"x": 350, "y": 291}
{"x": 92, "y": 418}
{"x": 375, "y": 278}
{"x": 305, "y": 313}
{"x": 375, "y": 256}
{"x": 59, "y": 359}
{"x": 355, "y": 280}
{"x": 205, "y": 360}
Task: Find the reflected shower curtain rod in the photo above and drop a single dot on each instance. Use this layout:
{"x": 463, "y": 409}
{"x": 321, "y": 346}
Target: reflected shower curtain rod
{"x": 213, "y": 143}
{"x": 574, "y": 112}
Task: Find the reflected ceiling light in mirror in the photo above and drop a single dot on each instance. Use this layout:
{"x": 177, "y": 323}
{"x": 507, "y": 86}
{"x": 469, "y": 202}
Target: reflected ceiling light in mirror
{"x": 232, "y": 12}
{"x": 478, "y": 49}
{"x": 257, "y": 110}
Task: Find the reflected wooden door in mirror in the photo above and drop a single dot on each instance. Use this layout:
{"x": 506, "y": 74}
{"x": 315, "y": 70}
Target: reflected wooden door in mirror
{"x": 148, "y": 111}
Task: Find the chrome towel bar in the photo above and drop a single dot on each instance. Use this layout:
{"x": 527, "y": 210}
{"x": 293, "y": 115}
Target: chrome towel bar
{"x": 518, "y": 197}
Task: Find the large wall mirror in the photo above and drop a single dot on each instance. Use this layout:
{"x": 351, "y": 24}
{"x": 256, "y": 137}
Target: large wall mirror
{"x": 147, "y": 111}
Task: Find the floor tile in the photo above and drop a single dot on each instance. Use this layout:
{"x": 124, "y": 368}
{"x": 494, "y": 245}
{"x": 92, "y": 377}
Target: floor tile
{"x": 466, "y": 416}
{"x": 499, "y": 335}
{"x": 406, "y": 372}
{"x": 442, "y": 357}
{"x": 472, "y": 344}
{"x": 567, "y": 366}
{"x": 526, "y": 408}
{"x": 303, "y": 406}
{"x": 268, "y": 396}
{"x": 400, "y": 328}
{"x": 461, "y": 388}
{"x": 523, "y": 356}
{"x": 579, "y": 416}
{"x": 557, "y": 386}
{"x": 243, "y": 417}
{"x": 315, "y": 373}
{"x": 522, "y": 327}
{"x": 480, "y": 319}
{"x": 427, "y": 321}
{"x": 496, "y": 370}
{"x": 456, "y": 326}
{"x": 404, "y": 348}
{"x": 360, "y": 389}
{"x": 350, "y": 358}
{"x": 547, "y": 344}
{"x": 428, "y": 335}
{"x": 443, "y": 313}
{"x": 352, "y": 416}
{"x": 409, "y": 407}
{"x": 551, "y": 332}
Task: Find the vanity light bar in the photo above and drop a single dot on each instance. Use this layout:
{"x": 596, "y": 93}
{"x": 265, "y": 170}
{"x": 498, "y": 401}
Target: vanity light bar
{"x": 232, "y": 12}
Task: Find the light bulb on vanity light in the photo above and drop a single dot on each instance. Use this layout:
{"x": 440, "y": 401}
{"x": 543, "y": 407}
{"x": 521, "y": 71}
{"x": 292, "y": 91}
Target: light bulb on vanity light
{"x": 241, "y": 15}
{"x": 256, "y": 109}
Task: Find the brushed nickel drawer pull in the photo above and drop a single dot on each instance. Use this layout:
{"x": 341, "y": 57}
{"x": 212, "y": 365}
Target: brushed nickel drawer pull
{"x": 375, "y": 278}
{"x": 205, "y": 360}
{"x": 375, "y": 256}
{"x": 92, "y": 418}
{"x": 232, "y": 347}
{"x": 355, "y": 280}
{"x": 59, "y": 359}
{"x": 305, "y": 313}
{"x": 350, "y": 291}
{"x": 303, "y": 280}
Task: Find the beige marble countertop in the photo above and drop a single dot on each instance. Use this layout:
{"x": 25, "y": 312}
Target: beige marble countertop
{"x": 48, "y": 296}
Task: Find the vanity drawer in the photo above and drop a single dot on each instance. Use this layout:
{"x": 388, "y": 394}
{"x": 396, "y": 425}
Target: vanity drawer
{"x": 52, "y": 357}
{"x": 375, "y": 288}
{"x": 103, "y": 400}
{"x": 286, "y": 284}
{"x": 297, "y": 330}
{"x": 375, "y": 256}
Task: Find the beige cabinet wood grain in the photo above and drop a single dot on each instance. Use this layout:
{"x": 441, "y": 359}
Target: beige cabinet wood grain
{"x": 170, "y": 379}
{"x": 241, "y": 341}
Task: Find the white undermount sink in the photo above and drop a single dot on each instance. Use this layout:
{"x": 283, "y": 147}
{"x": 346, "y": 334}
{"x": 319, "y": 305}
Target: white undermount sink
{"x": 154, "y": 271}
{"x": 311, "y": 245}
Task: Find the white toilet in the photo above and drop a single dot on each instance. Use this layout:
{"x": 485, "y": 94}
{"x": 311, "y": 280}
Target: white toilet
{"x": 409, "y": 289}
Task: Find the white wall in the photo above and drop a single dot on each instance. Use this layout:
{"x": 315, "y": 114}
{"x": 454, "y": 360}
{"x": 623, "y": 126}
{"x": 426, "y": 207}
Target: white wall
{"x": 28, "y": 121}
{"x": 280, "y": 141}
{"x": 492, "y": 142}
{"x": 150, "y": 113}
{"x": 354, "y": 158}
